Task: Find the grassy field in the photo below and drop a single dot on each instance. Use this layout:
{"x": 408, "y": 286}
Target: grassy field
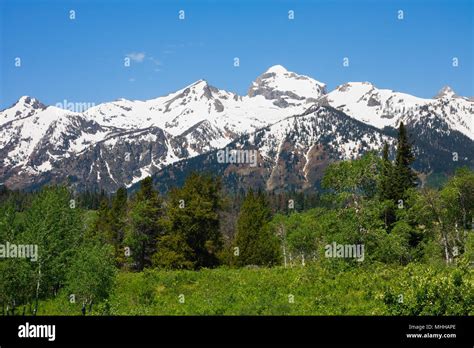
{"x": 310, "y": 290}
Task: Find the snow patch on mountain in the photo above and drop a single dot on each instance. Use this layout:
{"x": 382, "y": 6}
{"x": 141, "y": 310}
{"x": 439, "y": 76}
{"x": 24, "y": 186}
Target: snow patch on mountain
{"x": 384, "y": 107}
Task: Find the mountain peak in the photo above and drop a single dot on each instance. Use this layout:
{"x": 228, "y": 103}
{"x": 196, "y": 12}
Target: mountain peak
{"x": 445, "y": 92}
{"x": 279, "y": 84}
{"x": 201, "y": 82}
{"x": 26, "y": 100}
{"x": 276, "y": 69}
{"x": 29, "y": 102}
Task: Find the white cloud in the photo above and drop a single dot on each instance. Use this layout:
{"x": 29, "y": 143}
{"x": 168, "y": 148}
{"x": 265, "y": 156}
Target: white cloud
{"x": 136, "y": 56}
{"x": 155, "y": 61}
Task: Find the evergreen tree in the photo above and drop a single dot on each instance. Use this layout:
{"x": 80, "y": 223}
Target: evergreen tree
{"x": 255, "y": 241}
{"x": 403, "y": 176}
{"x": 386, "y": 188}
{"x": 144, "y": 227}
{"x": 118, "y": 217}
{"x": 173, "y": 253}
{"x": 193, "y": 217}
{"x": 102, "y": 227}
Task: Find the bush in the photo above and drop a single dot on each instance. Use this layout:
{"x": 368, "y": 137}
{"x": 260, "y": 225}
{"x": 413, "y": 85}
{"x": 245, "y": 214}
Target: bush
{"x": 432, "y": 291}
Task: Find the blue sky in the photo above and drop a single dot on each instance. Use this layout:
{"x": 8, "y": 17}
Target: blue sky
{"x": 82, "y": 60}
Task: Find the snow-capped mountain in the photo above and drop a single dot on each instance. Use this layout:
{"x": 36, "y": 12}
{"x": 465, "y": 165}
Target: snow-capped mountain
{"x": 268, "y": 100}
{"x": 24, "y": 107}
{"x": 293, "y": 153}
{"x": 285, "y": 88}
{"x": 121, "y": 142}
{"x": 36, "y": 136}
{"x": 386, "y": 108}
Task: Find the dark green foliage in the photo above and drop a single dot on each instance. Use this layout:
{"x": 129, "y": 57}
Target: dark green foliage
{"x": 90, "y": 200}
{"x": 403, "y": 177}
{"x": 118, "y": 221}
{"x": 173, "y": 253}
{"x": 145, "y": 225}
{"x": 255, "y": 240}
{"x": 21, "y": 200}
{"x": 193, "y": 216}
{"x": 110, "y": 222}
{"x": 102, "y": 228}
{"x": 386, "y": 189}
{"x": 386, "y": 183}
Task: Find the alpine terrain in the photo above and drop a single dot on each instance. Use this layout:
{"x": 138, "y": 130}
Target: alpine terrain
{"x": 290, "y": 122}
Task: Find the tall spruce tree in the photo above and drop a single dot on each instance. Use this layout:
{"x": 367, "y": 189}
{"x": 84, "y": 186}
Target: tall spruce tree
{"x": 145, "y": 224}
{"x": 403, "y": 176}
{"x": 102, "y": 228}
{"x": 118, "y": 217}
{"x": 256, "y": 243}
{"x": 193, "y": 236}
{"x": 386, "y": 188}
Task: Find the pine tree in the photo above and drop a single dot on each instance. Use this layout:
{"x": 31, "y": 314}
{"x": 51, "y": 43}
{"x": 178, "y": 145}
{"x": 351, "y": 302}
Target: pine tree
{"x": 403, "y": 176}
{"x": 385, "y": 178}
{"x": 387, "y": 183}
{"x": 173, "y": 252}
{"x": 193, "y": 217}
{"x": 147, "y": 192}
{"x": 386, "y": 188}
{"x": 102, "y": 228}
{"x": 118, "y": 217}
{"x": 255, "y": 241}
{"x": 145, "y": 226}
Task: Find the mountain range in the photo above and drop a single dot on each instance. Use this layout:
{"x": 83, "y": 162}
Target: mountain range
{"x": 294, "y": 125}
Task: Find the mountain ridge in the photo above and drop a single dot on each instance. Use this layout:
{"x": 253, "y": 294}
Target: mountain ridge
{"x": 38, "y": 140}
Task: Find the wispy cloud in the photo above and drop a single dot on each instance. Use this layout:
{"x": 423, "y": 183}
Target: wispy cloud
{"x": 136, "y": 56}
{"x": 155, "y": 61}
{"x": 141, "y": 57}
